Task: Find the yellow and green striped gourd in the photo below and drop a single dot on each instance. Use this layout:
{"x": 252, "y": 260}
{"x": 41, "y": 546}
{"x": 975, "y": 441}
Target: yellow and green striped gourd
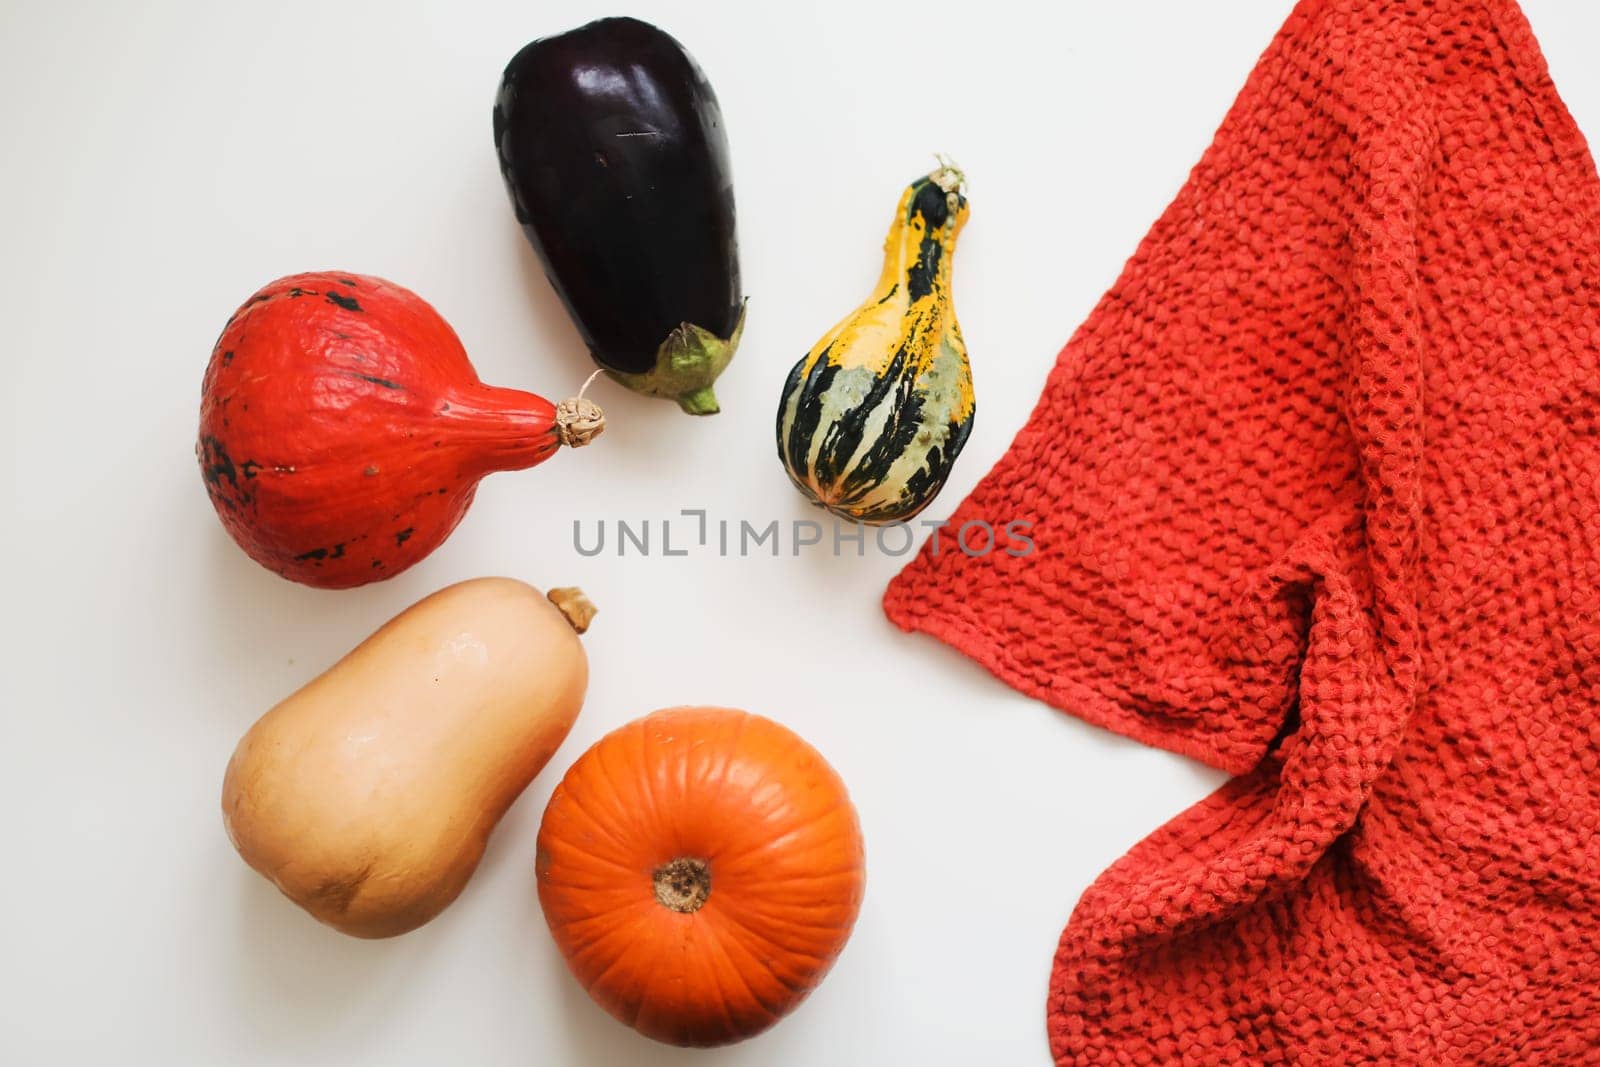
{"x": 874, "y": 416}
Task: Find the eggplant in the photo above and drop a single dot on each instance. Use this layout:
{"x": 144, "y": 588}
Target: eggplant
{"x": 612, "y": 147}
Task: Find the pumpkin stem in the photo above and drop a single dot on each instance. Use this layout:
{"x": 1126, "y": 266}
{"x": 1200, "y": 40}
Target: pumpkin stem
{"x": 683, "y": 884}
{"x": 571, "y": 602}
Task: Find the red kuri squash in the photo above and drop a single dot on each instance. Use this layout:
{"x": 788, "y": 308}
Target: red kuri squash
{"x": 700, "y": 869}
{"x": 343, "y": 430}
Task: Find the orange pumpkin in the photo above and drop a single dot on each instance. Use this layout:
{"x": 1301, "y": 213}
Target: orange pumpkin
{"x": 700, "y": 869}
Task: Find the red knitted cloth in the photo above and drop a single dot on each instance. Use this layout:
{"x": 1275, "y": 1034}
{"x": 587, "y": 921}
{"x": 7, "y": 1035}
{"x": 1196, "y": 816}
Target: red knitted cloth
{"x": 1316, "y": 499}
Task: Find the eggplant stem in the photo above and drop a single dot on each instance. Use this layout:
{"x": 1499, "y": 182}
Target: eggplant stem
{"x": 700, "y": 402}
{"x": 687, "y": 363}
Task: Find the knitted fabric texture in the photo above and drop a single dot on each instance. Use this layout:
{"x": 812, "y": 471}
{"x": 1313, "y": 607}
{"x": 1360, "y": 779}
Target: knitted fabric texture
{"x": 1315, "y": 495}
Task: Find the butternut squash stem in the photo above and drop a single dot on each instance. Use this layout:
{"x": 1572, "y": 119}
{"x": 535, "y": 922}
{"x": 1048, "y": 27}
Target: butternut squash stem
{"x": 578, "y": 609}
{"x": 683, "y": 884}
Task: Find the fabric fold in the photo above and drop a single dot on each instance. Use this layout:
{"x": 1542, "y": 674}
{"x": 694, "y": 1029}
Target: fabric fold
{"x": 1305, "y": 496}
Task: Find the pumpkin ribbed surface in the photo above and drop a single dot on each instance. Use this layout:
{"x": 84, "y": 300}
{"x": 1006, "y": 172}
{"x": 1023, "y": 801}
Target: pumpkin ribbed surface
{"x": 700, "y": 869}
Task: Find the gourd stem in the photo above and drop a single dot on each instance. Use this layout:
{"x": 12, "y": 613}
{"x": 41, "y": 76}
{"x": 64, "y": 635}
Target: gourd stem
{"x": 578, "y": 609}
{"x": 949, "y": 177}
{"x": 580, "y": 420}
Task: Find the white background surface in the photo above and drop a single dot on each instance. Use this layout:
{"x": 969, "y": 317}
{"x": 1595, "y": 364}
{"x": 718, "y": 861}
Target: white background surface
{"x": 159, "y": 162}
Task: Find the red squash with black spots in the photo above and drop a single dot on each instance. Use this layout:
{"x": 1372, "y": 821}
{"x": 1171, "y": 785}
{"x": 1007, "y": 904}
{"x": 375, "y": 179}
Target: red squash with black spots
{"x": 343, "y": 431}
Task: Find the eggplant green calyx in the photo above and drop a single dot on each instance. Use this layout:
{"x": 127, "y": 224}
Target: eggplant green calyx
{"x": 687, "y": 362}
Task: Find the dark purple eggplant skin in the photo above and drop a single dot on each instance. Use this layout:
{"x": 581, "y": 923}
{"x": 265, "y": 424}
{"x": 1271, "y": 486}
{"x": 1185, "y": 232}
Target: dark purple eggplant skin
{"x": 613, "y": 149}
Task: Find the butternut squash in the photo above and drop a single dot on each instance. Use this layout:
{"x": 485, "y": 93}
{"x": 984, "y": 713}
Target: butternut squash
{"x": 367, "y": 796}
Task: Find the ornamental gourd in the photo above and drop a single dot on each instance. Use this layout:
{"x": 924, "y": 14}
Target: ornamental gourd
{"x": 873, "y": 417}
{"x": 343, "y": 430}
{"x": 700, "y": 869}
